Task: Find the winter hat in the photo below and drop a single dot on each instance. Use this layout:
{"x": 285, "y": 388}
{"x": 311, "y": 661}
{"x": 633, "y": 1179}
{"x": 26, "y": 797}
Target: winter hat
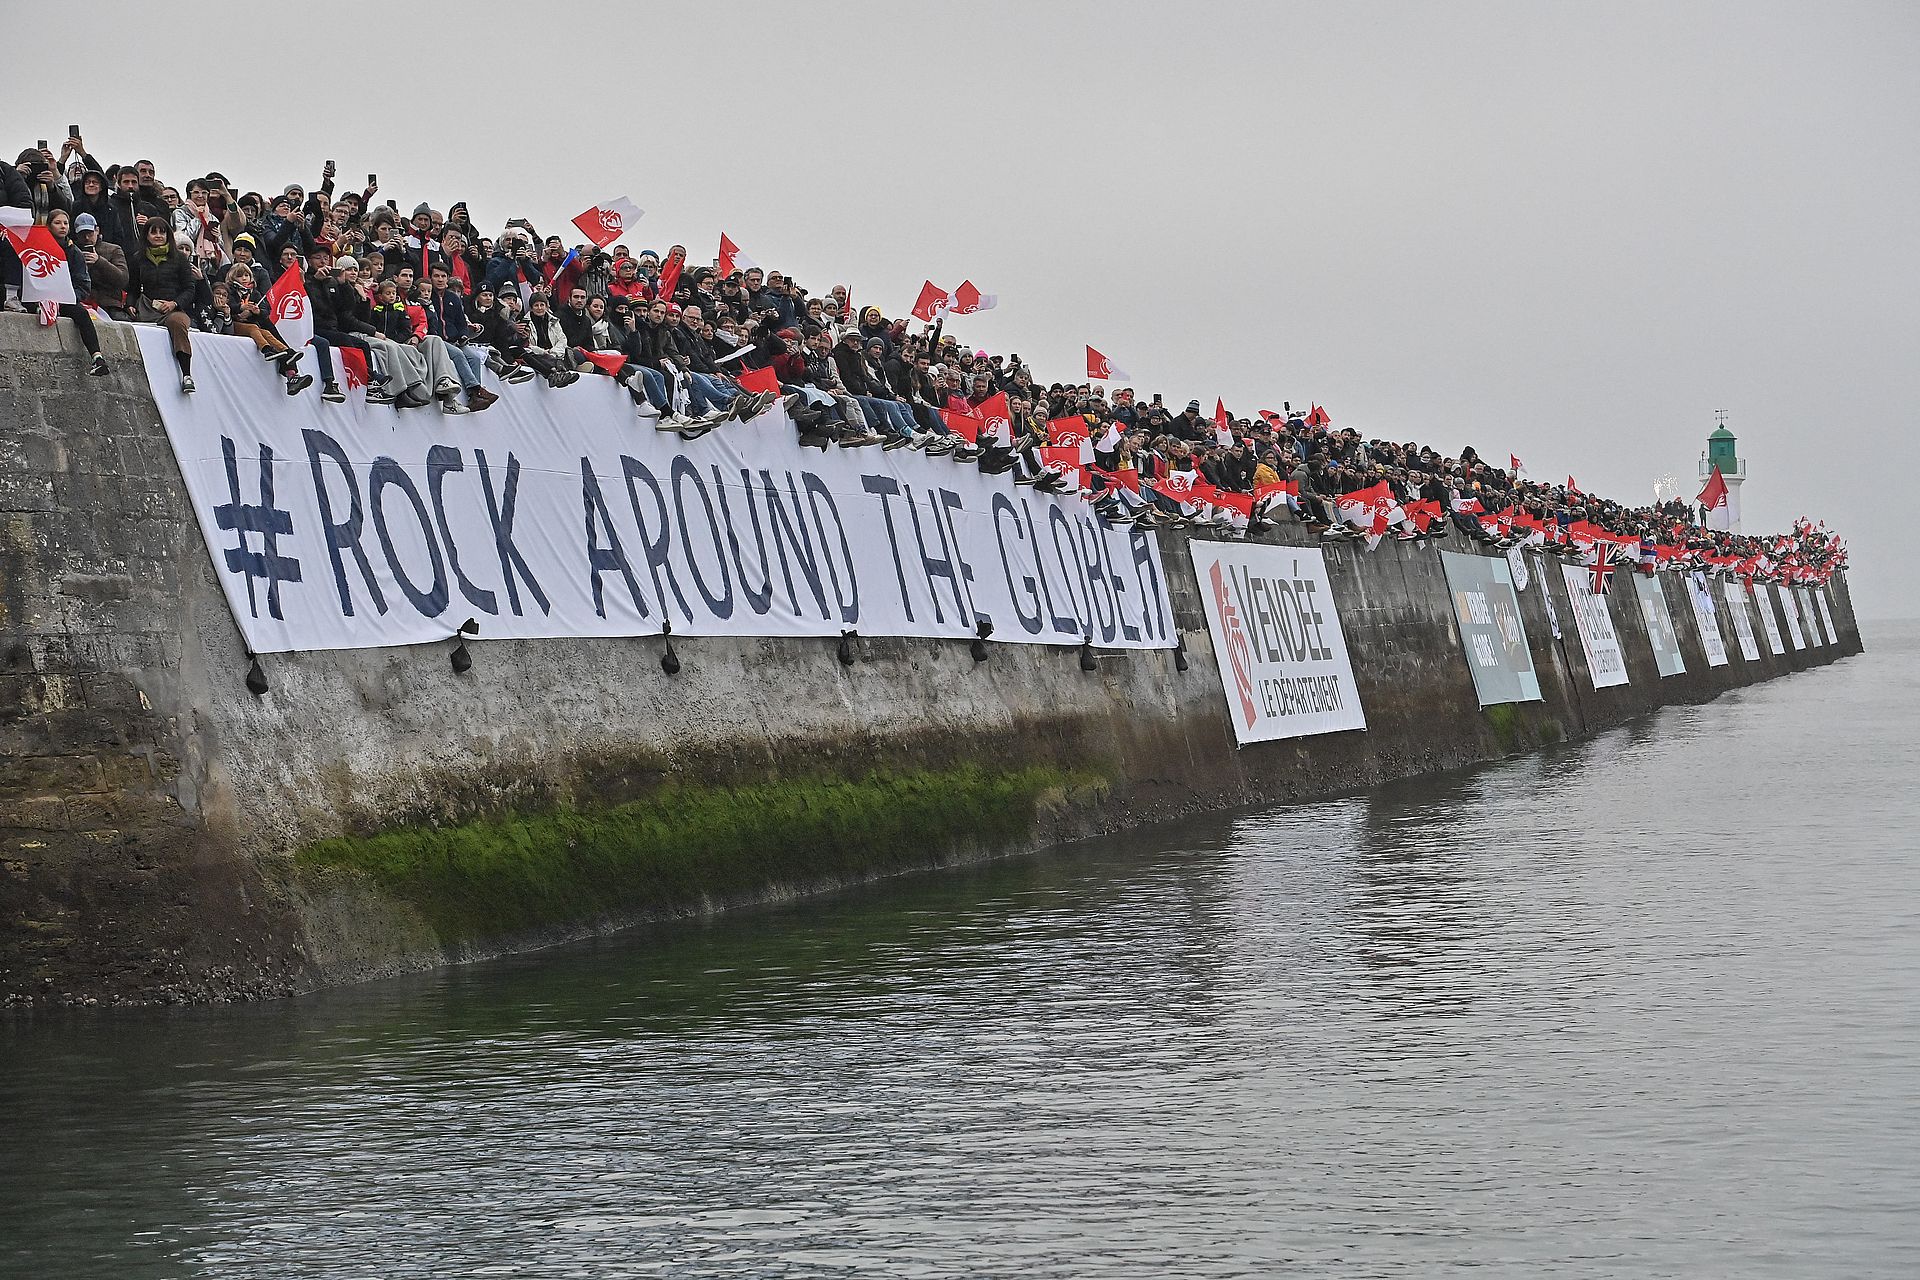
{"x": 421, "y": 208}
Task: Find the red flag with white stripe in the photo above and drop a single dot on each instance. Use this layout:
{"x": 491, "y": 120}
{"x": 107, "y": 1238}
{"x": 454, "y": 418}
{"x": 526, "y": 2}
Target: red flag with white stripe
{"x": 963, "y": 423}
{"x": 1101, "y": 369}
{"x": 290, "y": 309}
{"x": 932, "y": 302}
{"x": 605, "y": 223}
{"x": 44, "y": 275}
{"x": 732, "y": 260}
{"x": 997, "y": 415}
{"x": 966, "y": 300}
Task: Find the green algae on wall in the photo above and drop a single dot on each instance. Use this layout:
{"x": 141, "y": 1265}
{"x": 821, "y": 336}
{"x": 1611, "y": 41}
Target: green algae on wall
{"x": 688, "y": 843}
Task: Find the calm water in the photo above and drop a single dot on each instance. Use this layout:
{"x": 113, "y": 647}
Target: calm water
{"x": 1644, "y": 1006}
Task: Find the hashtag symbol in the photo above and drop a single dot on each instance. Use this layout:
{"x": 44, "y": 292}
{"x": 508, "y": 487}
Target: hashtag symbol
{"x": 267, "y": 520}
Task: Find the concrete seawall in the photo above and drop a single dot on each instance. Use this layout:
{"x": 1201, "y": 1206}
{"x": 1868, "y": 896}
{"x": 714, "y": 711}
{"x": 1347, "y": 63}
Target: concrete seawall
{"x": 166, "y": 835}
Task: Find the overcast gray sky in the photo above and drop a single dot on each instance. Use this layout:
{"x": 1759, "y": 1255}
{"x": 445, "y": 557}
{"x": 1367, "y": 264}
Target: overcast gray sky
{"x": 1568, "y": 232}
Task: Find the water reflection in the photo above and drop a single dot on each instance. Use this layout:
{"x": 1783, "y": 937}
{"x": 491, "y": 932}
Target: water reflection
{"x": 1556, "y": 1015}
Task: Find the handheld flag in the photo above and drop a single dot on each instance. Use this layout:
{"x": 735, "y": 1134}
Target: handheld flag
{"x": 1100, "y": 369}
{"x": 997, "y": 415}
{"x": 760, "y": 380}
{"x": 964, "y": 424}
{"x": 44, "y": 275}
{"x": 290, "y": 309}
{"x": 932, "y": 301}
{"x": 1067, "y": 432}
{"x": 732, "y": 260}
{"x": 670, "y": 273}
{"x": 1714, "y": 496}
{"x": 1513, "y": 464}
{"x": 605, "y": 223}
{"x": 610, "y": 362}
{"x": 966, "y": 300}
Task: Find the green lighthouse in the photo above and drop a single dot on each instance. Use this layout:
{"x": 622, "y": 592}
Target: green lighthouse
{"x": 1722, "y": 454}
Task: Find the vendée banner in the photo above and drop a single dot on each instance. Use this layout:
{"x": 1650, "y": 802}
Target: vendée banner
{"x": 1277, "y": 636}
{"x": 1705, "y": 615}
{"x": 1791, "y": 610}
{"x": 1487, "y": 610}
{"x": 1822, "y": 633}
{"x": 1606, "y": 665}
{"x": 1659, "y": 619}
{"x": 1763, "y": 601}
{"x": 1826, "y": 614}
{"x": 1741, "y": 612}
{"x": 558, "y": 513}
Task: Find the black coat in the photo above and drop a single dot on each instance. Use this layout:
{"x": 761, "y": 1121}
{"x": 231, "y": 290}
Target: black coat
{"x": 169, "y": 280}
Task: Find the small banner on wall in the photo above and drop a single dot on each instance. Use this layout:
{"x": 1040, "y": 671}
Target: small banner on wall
{"x": 1487, "y": 610}
{"x": 1740, "y": 609}
{"x": 1606, "y": 665}
{"x": 1763, "y": 601}
{"x": 1791, "y": 610}
{"x": 1660, "y": 632}
{"x": 557, "y": 513}
{"x": 1277, "y": 639}
{"x": 1826, "y": 614}
{"x": 1706, "y": 617}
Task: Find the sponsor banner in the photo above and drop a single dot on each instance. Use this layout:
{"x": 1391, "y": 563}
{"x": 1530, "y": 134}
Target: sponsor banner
{"x": 1660, "y": 632}
{"x": 1826, "y": 614}
{"x": 1791, "y": 609}
{"x": 1706, "y": 615}
{"x": 1763, "y": 600}
{"x": 1606, "y": 665}
{"x": 1739, "y": 610}
{"x": 1487, "y": 610}
{"x": 558, "y": 513}
{"x": 1815, "y": 628}
{"x": 1517, "y": 563}
{"x": 1277, "y": 638}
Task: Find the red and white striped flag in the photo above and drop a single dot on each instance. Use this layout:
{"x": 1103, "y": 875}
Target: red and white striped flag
{"x": 290, "y": 309}
{"x": 732, "y": 260}
{"x": 605, "y": 223}
{"x": 966, "y": 300}
{"x": 1100, "y": 369}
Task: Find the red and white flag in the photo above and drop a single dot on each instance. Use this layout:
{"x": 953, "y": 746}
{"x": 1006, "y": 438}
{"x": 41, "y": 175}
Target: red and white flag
{"x": 964, "y": 423}
{"x": 1222, "y": 423}
{"x": 605, "y": 223}
{"x": 1065, "y": 462}
{"x": 1574, "y": 488}
{"x": 966, "y": 300}
{"x": 290, "y": 309}
{"x": 997, "y": 415}
{"x": 1100, "y": 369}
{"x": 1513, "y": 464}
{"x": 1319, "y": 418}
{"x": 1068, "y": 432}
{"x": 758, "y": 380}
{"x": 1714, "y": 496}
{"x": 732, "y": 260}
{"x": 1110, "y": 438}
{"x": 1178, "y": 485}
{"x": 353, "y": 366}
{"x": 609, "y": 362}
{"x": 44, "y": 276}
{"x": 932, "y": 302}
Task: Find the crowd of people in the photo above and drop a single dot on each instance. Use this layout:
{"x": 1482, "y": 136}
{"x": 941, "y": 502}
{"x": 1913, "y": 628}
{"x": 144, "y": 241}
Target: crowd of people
{"x": 420, "y": 305}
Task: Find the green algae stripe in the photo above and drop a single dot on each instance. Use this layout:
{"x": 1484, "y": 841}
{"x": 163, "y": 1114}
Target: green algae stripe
{"x": 686, "y": 843}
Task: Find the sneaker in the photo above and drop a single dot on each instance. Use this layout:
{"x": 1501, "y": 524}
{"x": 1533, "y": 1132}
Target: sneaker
{"x": 1023, "y": 479}
{"x": 715, "y": 415}
{"x": 860, "y": 440}
{"x": 296, "y": 385}
{"x": 939, "y": 446}
{"x": 891, "y": 443}
{"x": 563, "y": 378}
{"x": 480, "y": 398}
{"x": 377, "y": 395}
{"x": 516, "y": 374}
{"x": 814, "y": 440}
{"x": 696, "y": 430}
{"x": 332, "y": 393}
{"x": 446, "y": 387}
{"x": 97, "y": 367}
{"x": 496, "y": 363}
{"x": 453, "y": 407}
{"x": 762, "y": 401}
{"x": 186, "y": 384}
{"x": 740, "y": 408}
{"x": 643, "y": 406}
{"x": 283, "y": 359}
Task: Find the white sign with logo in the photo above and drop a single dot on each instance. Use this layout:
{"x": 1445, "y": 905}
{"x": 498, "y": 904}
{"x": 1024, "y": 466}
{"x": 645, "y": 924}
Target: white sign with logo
{"x": 1277, "y": 639}
{"x": 1707, "y": 615}
{"x": 1763, "y": 601}
{"x": 1792, "y": 612}
{"x": 1738, "y": 609}
{"x": 1826, "y": 614}
{"x": 1605, "y": 663}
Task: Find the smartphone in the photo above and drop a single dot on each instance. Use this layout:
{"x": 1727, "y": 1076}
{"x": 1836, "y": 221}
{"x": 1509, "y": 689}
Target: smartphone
{"x": 73, "y": 131}
{"x": 372, "y": 181}
{"x": 43, "y": 144}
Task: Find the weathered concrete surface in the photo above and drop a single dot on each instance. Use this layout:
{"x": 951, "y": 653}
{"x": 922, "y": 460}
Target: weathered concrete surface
{"x": 150, "y": 806}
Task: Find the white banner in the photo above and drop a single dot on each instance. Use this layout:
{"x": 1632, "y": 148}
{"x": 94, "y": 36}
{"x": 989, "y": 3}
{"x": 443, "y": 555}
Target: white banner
{"x": 1826, "y": 614}
{"x": 1740, "y": 611}
{"x": 559, "y": 513}
{"x": 1791, "y": 609}
{"x": 1277, "y": 639}
{"x": 1605, "y": 663}
{"x": 1763, "y": 601}
{"x": 1815, "y": 627}
{"x": 1706, "y": 617}
{"x": 1661, "y": 634}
